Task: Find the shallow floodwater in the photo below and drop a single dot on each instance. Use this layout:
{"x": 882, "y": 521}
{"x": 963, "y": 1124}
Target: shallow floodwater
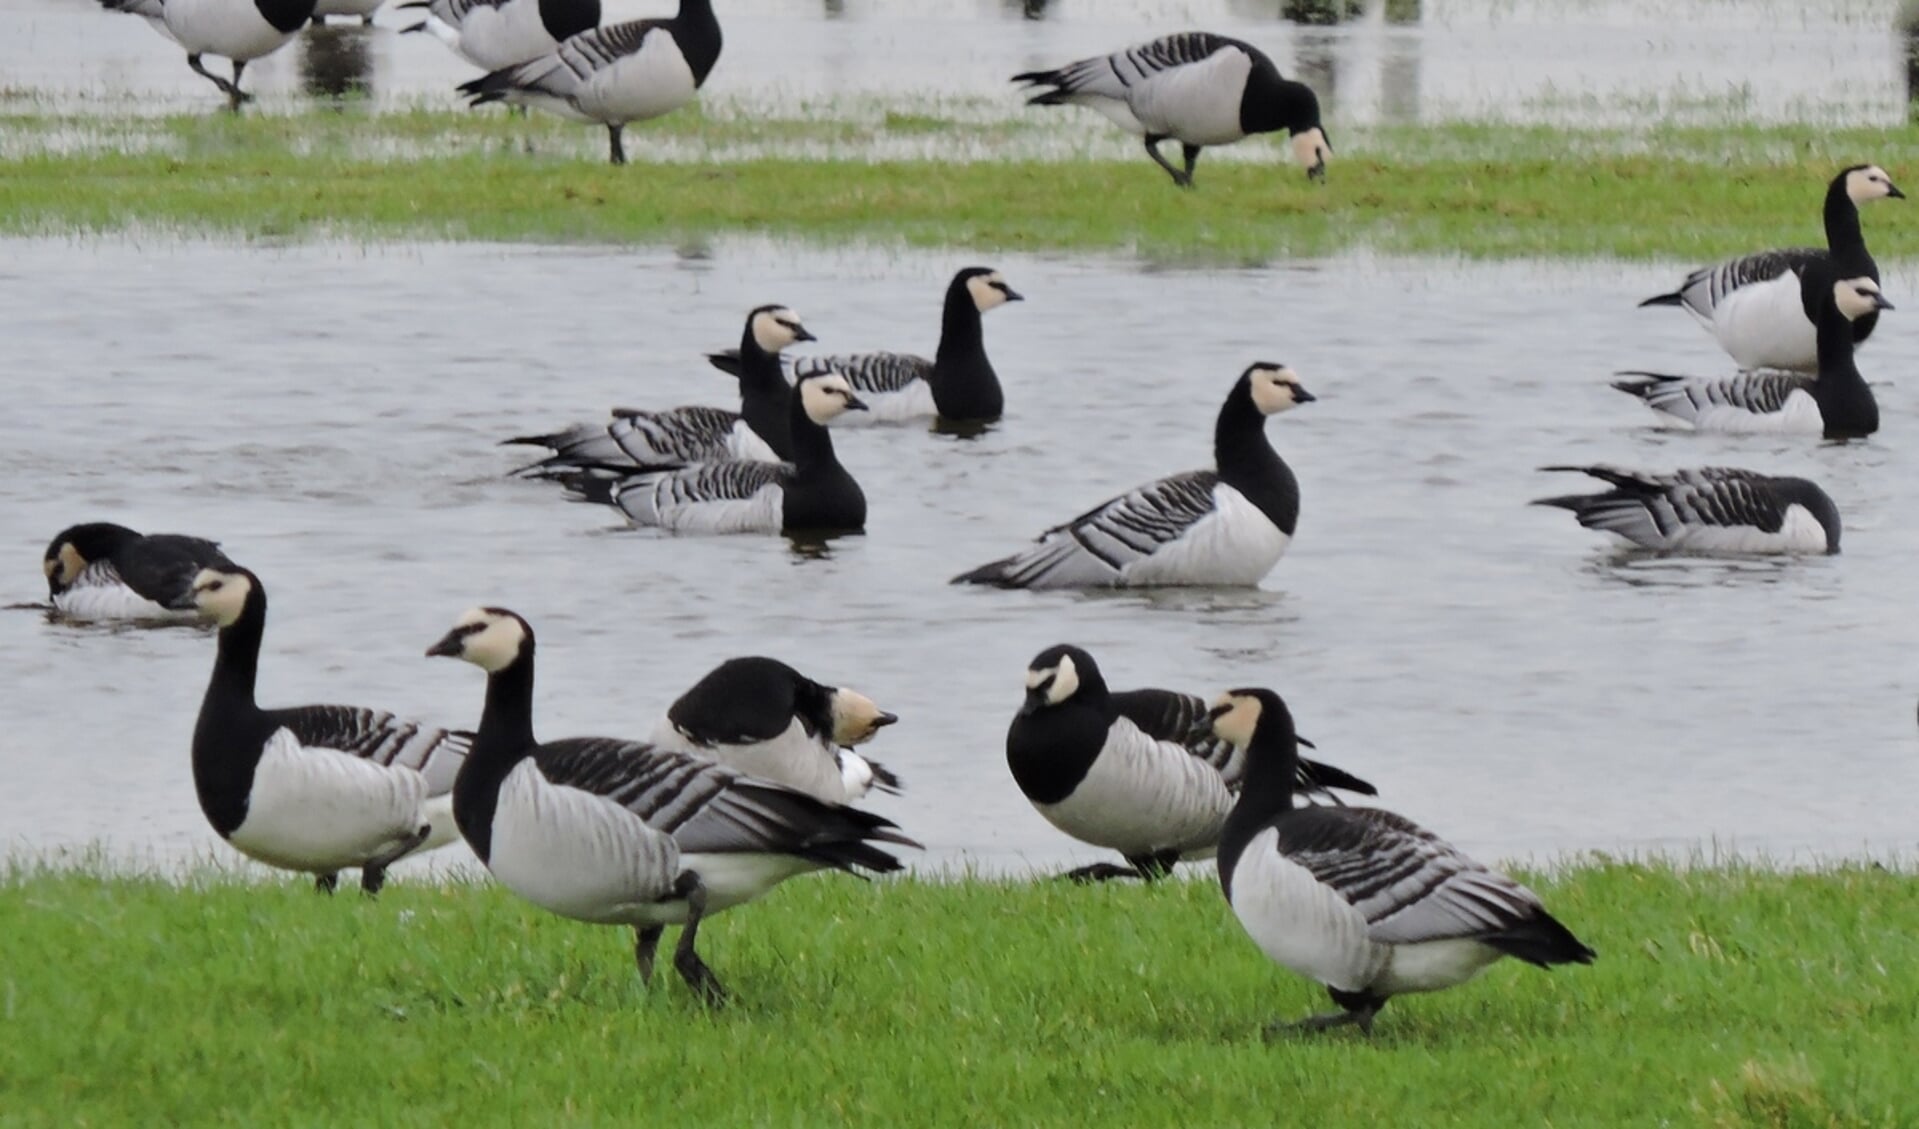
{"x": 331, "y": 414}
{"x": 1620, "y": 62}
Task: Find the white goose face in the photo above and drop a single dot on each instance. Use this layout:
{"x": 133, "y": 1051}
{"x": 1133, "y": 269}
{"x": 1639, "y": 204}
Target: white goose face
{"x": 1857, "y": 297}
{"x": 827, "y": 396}
{"x": 64, "y": 566}
{"x": 856, "y": 718}
{"x": 1276, "y": 389}
{"x": 1235, "y": 716}
{"x": 990, "y": 290}
{"x": 777, "y": 327}
{"x": 1055, "y": 683}
{"x": 221, "y": 596}
{"x": 489, "y": 638}
{"x": 1311, "y": 150}
{"x": 1871, "y": 183}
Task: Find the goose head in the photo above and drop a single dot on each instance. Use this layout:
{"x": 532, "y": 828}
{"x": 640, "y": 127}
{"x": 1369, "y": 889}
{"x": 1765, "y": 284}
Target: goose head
{"x": 773, "y": 328}
{"x": 1241, "y": 716}
{"x": 856, "y": 718}
{"x": 827, "y": 395}
{"x": 222, "y": 594}
{"x": 1310, "y": 150}
{"x": 1857, "y": 297}
{"x": 1059, "y": 675}
{"x": 1870, "y": 182}
{"x": 1275, "y": 388}
{"x": 987, "y": 288}
{"x": 489, "y": 638}
{"x": 69, "y": 554}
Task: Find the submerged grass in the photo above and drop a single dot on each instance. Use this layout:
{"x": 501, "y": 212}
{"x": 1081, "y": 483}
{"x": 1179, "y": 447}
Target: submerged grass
{"x": 1722, "y": 997}
{"x": 1475, "y": 190}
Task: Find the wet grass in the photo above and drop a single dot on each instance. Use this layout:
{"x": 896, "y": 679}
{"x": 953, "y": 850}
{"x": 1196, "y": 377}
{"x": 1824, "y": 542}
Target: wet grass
{"x": 1728, "y": 996}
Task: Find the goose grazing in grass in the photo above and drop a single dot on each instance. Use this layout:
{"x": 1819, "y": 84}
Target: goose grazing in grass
{"x": 316, "y": 789}
{"x": 1130, "y": 771}
{"x": 622, "y": 833}
{"x": 1707, "y": 510}
{"x": 1755, "y": 306}
{"x": 503, "y": 33}
{"x": 613, "y": 75}
{"x": 102, "y": 572}
{"x": 1226, "y": 526}
{"x": 1366, "y": 902}
{"x": 958, "y": 385}
{"x": 1836, "y": 403}
{"x": 767, "y": 720}
{"x": 642, "y": 440}
{"x": 237, "y": 30}
{"x": 1195, "y": 88}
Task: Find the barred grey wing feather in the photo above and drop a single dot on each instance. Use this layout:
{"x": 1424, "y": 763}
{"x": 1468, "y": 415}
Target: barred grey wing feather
{"x": 870, "y": 373}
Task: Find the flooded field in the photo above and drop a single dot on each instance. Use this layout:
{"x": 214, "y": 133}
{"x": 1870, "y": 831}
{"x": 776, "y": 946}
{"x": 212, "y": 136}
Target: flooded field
{"x": 331, "y": 412}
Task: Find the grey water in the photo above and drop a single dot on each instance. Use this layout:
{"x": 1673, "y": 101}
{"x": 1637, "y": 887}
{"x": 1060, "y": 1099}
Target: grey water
{"x": 332, "y": 413}
{"x": 1565, "y": 62}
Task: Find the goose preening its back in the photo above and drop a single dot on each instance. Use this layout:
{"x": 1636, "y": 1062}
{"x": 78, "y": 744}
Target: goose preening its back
{"x": 237, "y": 30}
{"x": 625, "y": 72}
{"x": 502, "y": 33}
{"x": 1130, "y": 771}
{"x": 1755, "y": 306}
{"x": 1226, "y": 526}
{"x": 1836, "y": 403}
{"x": 1195, "y": 88}
{"x": 101, "y": 571}
{"x": 1706, "y": 510}
{"x": 1366, "y": 902}
{"x": 312, "y": 788}
{"x": 767, "y": 720}
{"x": 623, "y": 833}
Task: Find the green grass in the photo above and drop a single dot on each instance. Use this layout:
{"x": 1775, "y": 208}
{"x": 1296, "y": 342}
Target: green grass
{"x": 1474, "y": 190}
{"x": 1723, "y": 997}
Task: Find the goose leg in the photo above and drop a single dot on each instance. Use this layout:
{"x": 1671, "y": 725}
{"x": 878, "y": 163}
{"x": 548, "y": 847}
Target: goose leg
{"x": 200, "y": 69}
{"x": 1100, "y": 872}
{"x": 326, "y": 883}
{"x": 1184, "y": 180}
{"x": 691, "y": 968}
{"x": 1191, "y": 153}
{"x": 236, "y": 97}
{"x": 619, "y": 150}
{"x": 1357, "y": 1009}
{"x": 646, "y": 942}
{"x": 1154, "y": 866}
{"x": 373, "y": 871}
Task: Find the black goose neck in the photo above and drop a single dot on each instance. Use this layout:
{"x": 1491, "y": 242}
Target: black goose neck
{"x": 697, "y": 31}
{"x": 765, "y": 395}
{"x": 231, "y": 731}
{"x": 1272, "y": 764}
{"x": 236, "y": 665}
{"x": 503, "y": 740}
{"x": 564, "y": 19}
{"x": 286, "y": 16}
{"x": 812, "y": 442}
{"x": 1240, "y": 447}
{"x": 961, "y": 335}
{"x": 1271, "y": 103}
{"x": 1836, "y": 358}
{"x": 1844, "y": 240}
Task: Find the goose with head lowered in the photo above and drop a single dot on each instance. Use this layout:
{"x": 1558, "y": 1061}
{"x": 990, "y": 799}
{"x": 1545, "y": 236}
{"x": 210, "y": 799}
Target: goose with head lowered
{"x": 1363, "y": 901}
{"x": 1756, "y": 307}
{"x": 492, "y": 34}
{"x": 237, "y": 30}
{"x": 1195, "y": 88}
{"x": 102, "y": 572}
{"x": 623, "y": 833}
{"x": 1226, "y": 526}
{"x": 1836, "y": 403}
{"x": 1138, "y": 771}
{"x": 764, "y": 718}
{"x": 957, "y": 386}
{"x": 643, "y": 440}
{"x": 1706, "y": 510}
{"x": 317, "y": 789}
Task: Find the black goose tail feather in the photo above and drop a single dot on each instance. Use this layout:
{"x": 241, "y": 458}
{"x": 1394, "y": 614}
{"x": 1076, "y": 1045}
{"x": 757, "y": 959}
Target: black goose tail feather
{"x": 1324, "y": 778}
{"x": 994, "y": 573}
{"x": 1052, "y": 97}
{"x": 1673, "y": 299}
{"x": 727, "y": 361}
{"x": 1640, "y": 383}
{"x": 1543, "y": 941}
{"x": 493, "y": 86}
{"x": 885, "y": 779}
{"x": 582, "y": 486}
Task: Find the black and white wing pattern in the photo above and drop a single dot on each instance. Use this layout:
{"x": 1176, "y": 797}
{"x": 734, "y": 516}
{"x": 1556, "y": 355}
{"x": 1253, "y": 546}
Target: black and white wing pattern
{"x": 161, "y": 567}
{"x": 1705, "y": 288}
{"x": 583, "y": 446}
{"x": 1707, "y": 509}
{"x": 382, "y": 738}
{"x": 683, "y": 436}
{"x": 1184, "y": 720}
{"x": 870, "y": 374}
{"x": 730, "y": 497}
{"x": 1748, "y": 401}
{"x": 1116, "y": 75}
{"x": 580, "y": 77}
{"x": 1099, "y": 546}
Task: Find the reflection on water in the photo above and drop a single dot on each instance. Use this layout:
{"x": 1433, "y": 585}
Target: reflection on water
{"x": 336, "y": 62}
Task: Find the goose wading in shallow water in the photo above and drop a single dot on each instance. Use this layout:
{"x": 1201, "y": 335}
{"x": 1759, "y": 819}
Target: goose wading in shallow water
{"x": 316, "y": 789}
{"x": 613, "y": 75}
{"x": 236, "y": 30}
{"x": 1707, "y": 510}
{"x": 1227, "y": 526}
{"x": 1836, "y": 403}
{"x": 101, "y": 572}
{"x": 493, "y": 34}
{"x": 1139, "y": 772}
{"x": 764, "y": 718}
{"x": 1363, "y": 901}
{"x": 1755, "y": 306}
{"x": 645, "y": 440}
{"x": 623, "y": 833}
{"x": 958, "y": 385}
{"x": 1195, "y": 88}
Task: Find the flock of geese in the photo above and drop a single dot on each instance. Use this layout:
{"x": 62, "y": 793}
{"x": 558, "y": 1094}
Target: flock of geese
{"x": 752, "y": 776}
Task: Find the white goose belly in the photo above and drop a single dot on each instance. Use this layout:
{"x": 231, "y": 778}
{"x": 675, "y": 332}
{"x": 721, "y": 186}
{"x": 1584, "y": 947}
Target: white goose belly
{"x": 116, "y": 601}
{"x": 577, "y": 854}
{"x": 793, "y": 759}
{"x": 652, "y": 81}
{"x": 494, "y": 38}
{"x": 914, "y": 401}
{"x": 1764, "y": 325}
{"x": 1197, "y": 103}
{"x": 764, "y": 512}
{"x": 319, "y": 810}
{"x": 1799, "y": 532}
{"x": 231, "y": 29}
{"x": 1235, "y": 545}
{"x": 1799, "y": 415}
{"x": 1138, "y": 799}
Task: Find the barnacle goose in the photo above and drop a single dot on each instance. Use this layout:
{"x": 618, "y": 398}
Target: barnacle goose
{"x": 957, "y": 385}
{"x": 613, "y": 75}
{"x": 1226, "y": 526}
{"x": 1836, "y": 403}
{"x": 1754, "y": 305}
{"x": 1366, "y": 902}
{"x": 1195, "y": 88}
{"x": 237, "y": 30}
{"x": 813, "y": 494}
{"x": 1707, "y": 510}
{"x": 641, "y": 440}
{"x": 767, "y": 720}
{"x": 504, "y": 33}
{"x": 102, "y": 571}
{"x": 311, "y": 788}
{"x": 1139, "y": 771}
{"x": 622, "y": 833}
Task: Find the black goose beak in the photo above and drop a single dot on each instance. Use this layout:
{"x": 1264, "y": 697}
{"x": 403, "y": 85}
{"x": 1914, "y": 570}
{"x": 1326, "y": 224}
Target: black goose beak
{"x": 1012, "y": 295}
{"x": 884, "y": 720}
{"x": 801, "y": 333}
{"x": 1035, "y": 702}
{"x": 449, "y": 646}
{"x": 1893, "y": 193}
{"x": 1879, "y": 303}
{"x": 1301, "y": 396}
{"x": 1219, "y": 711}
{"x": 1303, "y": 741}
{"x": 855, "y": 404}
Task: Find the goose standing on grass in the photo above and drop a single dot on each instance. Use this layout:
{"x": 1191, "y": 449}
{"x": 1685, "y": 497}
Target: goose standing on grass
{"x": 1366, "y": 902}
{"x": 813, "y": 494}
{"x": 641, "y": 440}
{"x": 1707, "y": 510}
{"x": 621, "y": 833}
{"x": 1836, "y": 403}
{"x": 1755, "y": 306}
{"x": 503, "y": 33}
{"x": 99, "y": 571}
{"x": 237, "y": 30}
{"x": 313, "y": 788}
{"x": 1195, "y": 88}
{"x": 1155, "y": 792}
{"x": 958, "y": 385}
{"x": 626, "y": 72}
{"x": 1227, "y": 526}
{"x": 764, "y": 718}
